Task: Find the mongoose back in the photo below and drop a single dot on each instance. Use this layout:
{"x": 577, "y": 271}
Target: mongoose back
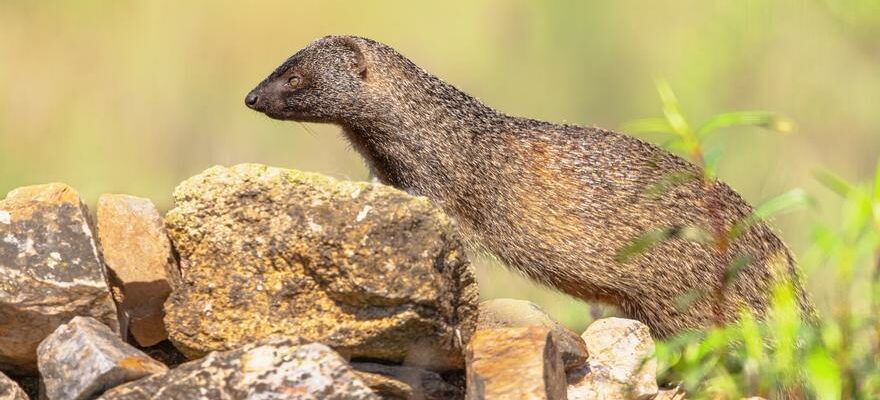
{"x": 556, "y": 202}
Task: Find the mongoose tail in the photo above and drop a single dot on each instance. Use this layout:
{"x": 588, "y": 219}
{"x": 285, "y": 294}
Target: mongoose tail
{"x": 556, "y": 202}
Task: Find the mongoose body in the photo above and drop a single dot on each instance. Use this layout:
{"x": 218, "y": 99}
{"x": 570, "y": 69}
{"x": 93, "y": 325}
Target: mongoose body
{"x": 556, "y": 202}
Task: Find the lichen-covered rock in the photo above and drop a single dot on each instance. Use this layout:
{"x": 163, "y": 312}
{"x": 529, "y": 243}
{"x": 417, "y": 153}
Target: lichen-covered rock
{"x": 621, "y": 364}
{"x": 503, "y": 313}
{"x": 514, "y": 363}
{"x": 83, "y": 358}
{"x": 405, "y": 383}
{"x": 9, "y": 390}
{"x": 50, "y": 271}
{"x": 138, "y": 255}
{"x": 363, "y": 268}
{"x": 274, "y": 368}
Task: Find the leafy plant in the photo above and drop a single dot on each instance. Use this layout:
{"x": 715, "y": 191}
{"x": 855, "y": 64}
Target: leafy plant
{"x": 838, "y": 358}
{"x": 690, "y": 141}
{"x": 780, "y": 356}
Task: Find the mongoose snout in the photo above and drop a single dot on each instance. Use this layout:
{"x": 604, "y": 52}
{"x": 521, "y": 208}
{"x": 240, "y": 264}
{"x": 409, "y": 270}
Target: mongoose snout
{"x": 251, "y": 100}
{"x": 556, "y": 202}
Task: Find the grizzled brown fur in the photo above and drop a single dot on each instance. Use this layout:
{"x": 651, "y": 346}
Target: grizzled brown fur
{"x": 556, "y": 202}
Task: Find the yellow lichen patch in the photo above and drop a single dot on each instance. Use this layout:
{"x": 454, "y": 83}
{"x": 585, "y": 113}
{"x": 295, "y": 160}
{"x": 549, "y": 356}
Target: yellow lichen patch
{"x": 22, "y": 202}
{"x": 139, "y": 364}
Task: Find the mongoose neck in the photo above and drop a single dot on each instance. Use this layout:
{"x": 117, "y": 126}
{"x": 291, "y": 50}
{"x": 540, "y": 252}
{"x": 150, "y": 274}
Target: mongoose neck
{"x": 413, "y": 124}
{"x": 430, "y": 103}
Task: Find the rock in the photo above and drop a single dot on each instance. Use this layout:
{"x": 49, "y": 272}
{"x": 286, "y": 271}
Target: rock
{"x": 9, "y": 390}
{"x": 138, "y": 256}
{"x": 621, "y": 364}
{"x": 514, "y": 363}
{"x": 30, "y": 384}
{"x": 503, "y": 313}
{"x": 675, "y": 393}
{"x": 388, "y": 388}
{"x": 83, "y": 358}
{"x": 50, "y": 271}
{"x": 364, "y": 268}
{"x": 400, "y": 382}
{"x": 274, "y": 368}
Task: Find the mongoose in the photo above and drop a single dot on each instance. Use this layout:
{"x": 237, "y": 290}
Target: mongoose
{"x": 557, "y": 202}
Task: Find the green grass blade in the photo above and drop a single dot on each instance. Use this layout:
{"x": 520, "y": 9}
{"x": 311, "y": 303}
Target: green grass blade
{"x": 824, "y": 374}
{"x": 753, "y": 341}
{"x": 833, "y": 182}
{"x": 669, "y": 182}
{"x": 747, "y": 118}
{"x": 738, "y": 265}
{"x": 687, "y": 299}
{"x": 792, "y": 200}
{"x": 643, "y": 243}
{"x": 695, "y": 234}
{"x": 785, "y": 325}
{"x": 650, "y": 238}
{"x": 675, "y": 144}
{"x": 672, "y": 109}
{"x": 786, "y": 202}
{"x": 710, "y": 162}
{"x": 877, "y": 182}
{"x": 876, "y": 202}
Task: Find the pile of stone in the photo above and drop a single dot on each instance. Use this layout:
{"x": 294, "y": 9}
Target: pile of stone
{"x": 278, "y": 284}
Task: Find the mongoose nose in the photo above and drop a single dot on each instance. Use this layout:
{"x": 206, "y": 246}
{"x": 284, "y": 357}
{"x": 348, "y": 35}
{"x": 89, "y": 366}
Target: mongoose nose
{"x": 251, "y": 99}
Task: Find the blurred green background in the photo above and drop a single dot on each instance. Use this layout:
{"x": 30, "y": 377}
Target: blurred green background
{"x": 135, "y": 96}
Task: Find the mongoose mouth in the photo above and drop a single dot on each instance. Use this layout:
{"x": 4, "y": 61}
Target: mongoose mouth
{"x": 257, "y": 102}
{"x": 261, "y": 101}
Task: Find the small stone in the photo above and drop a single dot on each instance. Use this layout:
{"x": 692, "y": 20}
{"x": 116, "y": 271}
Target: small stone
{"x": 364, "y": 268}
{"x": 274, "y": 368}
{"x": 514, "y": 363}
{"x": 83, "y": 358}
{"x": 138, "y": 255}
{"x": 621, "y": 364}
{"x": 504, "y": 313}
{"x": 401, "y": 382}
{"x": 385, "y": 387}
{"x": 9, "y": 390}
{"x": 50, "y": 271}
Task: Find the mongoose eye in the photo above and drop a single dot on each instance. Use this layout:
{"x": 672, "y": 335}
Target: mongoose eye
{"x": 293, "y": 81}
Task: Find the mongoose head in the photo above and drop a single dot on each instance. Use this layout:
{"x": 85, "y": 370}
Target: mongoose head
{"x": 323, "y": 82}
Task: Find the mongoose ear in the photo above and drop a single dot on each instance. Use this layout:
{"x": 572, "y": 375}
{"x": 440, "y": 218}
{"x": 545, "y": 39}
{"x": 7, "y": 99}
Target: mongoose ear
{"x": 360, "y": 65}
